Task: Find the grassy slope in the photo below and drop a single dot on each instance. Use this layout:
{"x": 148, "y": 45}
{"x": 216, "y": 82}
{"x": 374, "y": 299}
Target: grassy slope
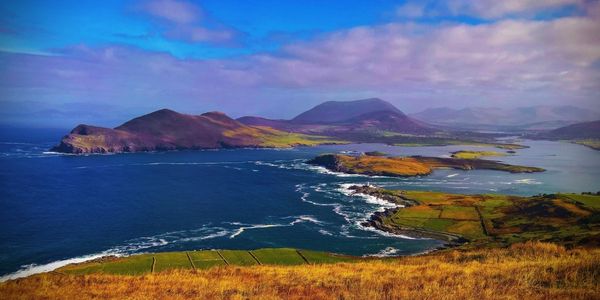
{"x": 273, "y": 138}
{"x": 523, "y": 271}
{"x": 499, "y": 220}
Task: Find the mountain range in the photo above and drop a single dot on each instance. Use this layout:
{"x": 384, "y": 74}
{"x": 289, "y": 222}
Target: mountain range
{"x": 520, "y": 118}
{"x": 366, "y": 120}
{"x": 169, "y": 130}
{"x": 335, "y": 118}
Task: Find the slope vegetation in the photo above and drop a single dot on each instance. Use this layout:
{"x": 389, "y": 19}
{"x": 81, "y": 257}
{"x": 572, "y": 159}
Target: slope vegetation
{"x": 522, "y": 271}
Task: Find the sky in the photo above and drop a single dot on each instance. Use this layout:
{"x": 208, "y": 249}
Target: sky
{"x": 103, "y": 62}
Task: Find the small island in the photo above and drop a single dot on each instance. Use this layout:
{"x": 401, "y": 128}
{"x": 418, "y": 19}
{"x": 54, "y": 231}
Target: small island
{"x": 408, "y": 166}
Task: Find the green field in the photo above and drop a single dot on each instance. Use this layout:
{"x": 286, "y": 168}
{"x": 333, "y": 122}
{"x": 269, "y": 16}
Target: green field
{"x": 282, "y": 256}
{"x": 569, "y": 219}
{"x": 206, "y": 259}
{"x": 588, "y": 200}
{"x": 240, "y": 258}
{"x": 202, "y": 259}
{"x": 133, "y": 265}
{"x": 171, "y": 260}
{"x": 464, "y": 154}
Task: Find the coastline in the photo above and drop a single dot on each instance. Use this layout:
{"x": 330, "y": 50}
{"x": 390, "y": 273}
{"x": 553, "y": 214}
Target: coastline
{"x": 376, "y": 220}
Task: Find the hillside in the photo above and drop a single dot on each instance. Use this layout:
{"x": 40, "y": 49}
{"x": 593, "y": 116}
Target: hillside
{"x": 586, "y": 130}
{"x": 522, "y": 271}
{"x": 169, "y": 130}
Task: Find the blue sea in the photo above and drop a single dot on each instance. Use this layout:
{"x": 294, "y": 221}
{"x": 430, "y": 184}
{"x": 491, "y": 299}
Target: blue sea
{"x": 58, "y": 209}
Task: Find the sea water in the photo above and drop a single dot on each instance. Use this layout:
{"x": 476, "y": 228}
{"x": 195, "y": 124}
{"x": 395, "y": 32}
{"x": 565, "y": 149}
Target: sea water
{"x": 57, "y": 209}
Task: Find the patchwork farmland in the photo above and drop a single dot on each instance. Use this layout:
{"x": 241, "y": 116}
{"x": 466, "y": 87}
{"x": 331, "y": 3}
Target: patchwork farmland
{"x": 201, "y": 259}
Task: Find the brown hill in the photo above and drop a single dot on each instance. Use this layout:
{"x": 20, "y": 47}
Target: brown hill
{"x": 169, "y": 130}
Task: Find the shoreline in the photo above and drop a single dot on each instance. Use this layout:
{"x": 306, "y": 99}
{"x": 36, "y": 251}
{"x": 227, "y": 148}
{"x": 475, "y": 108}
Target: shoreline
{"x": 376, "y": 220}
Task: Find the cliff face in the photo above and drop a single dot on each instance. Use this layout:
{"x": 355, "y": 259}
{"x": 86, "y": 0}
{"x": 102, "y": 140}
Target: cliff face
{"x": 166, "y": 130}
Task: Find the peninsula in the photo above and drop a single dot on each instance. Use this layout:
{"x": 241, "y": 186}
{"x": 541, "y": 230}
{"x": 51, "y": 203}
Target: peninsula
{"x": 169, "y": 130}
{"x": 476, "y": 221}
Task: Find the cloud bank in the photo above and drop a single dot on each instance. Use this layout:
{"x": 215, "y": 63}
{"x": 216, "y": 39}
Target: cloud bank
{"x": 509, "y": 62}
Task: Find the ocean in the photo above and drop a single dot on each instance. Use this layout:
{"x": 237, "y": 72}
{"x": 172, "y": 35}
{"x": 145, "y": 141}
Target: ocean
{"x": 57, "y": 209}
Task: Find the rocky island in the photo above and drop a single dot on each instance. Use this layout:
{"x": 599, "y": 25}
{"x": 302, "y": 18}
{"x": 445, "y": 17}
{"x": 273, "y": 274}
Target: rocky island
{"x": 408, "y": 166}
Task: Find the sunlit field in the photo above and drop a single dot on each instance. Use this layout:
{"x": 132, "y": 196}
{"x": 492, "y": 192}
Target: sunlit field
{"x": 523, "y": 271}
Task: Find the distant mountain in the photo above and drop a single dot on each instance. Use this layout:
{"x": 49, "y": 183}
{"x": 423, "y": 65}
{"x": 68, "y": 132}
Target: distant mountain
{"x": 335, "y": 118}
{"x": 169, "y": 130}
{"x": 585, "y": 130}
{"x": 338, "y": 111}
{"x": 525, "y": 118}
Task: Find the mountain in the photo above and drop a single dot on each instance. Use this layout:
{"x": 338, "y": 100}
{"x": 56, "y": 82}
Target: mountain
{"x": 524, "y": 118}
{"x": 169, "y": 130}
{"x": 585, "y": 130}
{"x": 335, "y": 118}
{"x": 338, "y": 111}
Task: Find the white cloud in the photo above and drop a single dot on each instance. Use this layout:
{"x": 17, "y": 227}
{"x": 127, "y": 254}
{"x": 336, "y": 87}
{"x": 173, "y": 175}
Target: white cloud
{"x": 185, "y": 21}
{"x": 508, "y": 62}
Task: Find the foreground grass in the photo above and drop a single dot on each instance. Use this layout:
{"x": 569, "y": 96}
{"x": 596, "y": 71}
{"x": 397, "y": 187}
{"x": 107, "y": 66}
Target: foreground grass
{"x": 522, "y": 271}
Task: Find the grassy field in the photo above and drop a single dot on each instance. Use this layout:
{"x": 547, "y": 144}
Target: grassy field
{"x": 475, "y": 154}
{"x": 202, "y": 259}
{"x": 522, "y": 271}
{"x": 499, "y": 220}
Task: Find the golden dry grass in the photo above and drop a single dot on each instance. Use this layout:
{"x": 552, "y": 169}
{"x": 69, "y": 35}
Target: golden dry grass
{"x": 399, "y": 166}
{"x": 523, "y": 271}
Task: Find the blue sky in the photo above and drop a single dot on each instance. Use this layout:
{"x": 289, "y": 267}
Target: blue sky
{"x": 42, "y": 26}
{"x": 88, "y": 61}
